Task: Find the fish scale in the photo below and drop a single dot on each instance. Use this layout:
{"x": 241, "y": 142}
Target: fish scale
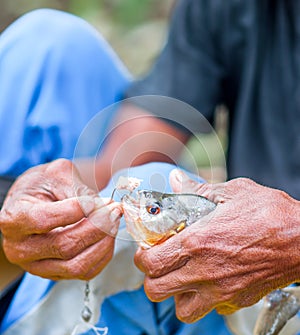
{"x": 152, "y": 217}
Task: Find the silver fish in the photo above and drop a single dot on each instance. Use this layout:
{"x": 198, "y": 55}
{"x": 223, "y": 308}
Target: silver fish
{"x": 152, "y": 217}
{"x": 279, "y": 307}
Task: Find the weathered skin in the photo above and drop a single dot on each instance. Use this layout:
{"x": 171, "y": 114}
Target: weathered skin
{"x": 236, "y": 234}
{"x": 55, "y": 227}
{"x": 152, "y": 216}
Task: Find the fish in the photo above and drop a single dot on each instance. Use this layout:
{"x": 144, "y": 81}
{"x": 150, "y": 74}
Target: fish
{"x": 152, "y": 217}
{"x": 278, "y": 308}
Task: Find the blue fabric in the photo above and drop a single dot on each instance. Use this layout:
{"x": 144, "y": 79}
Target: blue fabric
{"x": 57, "y": 72}
{"x": 153, "y": 319}
{"x": 31, "y": 290}
{"x": 50, "y": 88}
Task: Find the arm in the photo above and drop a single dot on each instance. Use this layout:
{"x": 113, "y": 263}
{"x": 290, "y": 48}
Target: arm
{"x": 230, "y": 259}
{"x": 137, "y": 137}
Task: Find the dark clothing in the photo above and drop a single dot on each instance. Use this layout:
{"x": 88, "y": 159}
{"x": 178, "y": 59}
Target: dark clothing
{"x": 245, "y": 55}
{"x": 7, "y": 295}
{"x": 5, "y": 184}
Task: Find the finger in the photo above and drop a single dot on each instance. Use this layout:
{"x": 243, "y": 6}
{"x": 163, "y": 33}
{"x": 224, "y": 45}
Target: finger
{"x": 182, "y": 183}
{"x": 65, "y": 243}
{"x": 192, "y": 306}
{"x": 57, "y": 180}
{"x": 163, "y": 258}
{"x": 42, "y": 217}
{"x": 84, "y": 266}
{"x": 159, "y": 289}
{"x": 173, "y": 283}
{"x": 107, "y": 217}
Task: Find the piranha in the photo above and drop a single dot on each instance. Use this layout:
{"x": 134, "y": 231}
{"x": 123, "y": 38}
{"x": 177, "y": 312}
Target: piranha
{"x": 152, "y": 217}
{"x": 279, "y": 307}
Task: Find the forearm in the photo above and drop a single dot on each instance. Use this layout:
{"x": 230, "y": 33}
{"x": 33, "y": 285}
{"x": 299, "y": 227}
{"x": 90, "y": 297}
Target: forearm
{"x": 136, "y": 138}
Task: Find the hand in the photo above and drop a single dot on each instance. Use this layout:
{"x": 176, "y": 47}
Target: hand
{"x": 56, "y": 227}
{"x": 232, "y": 257}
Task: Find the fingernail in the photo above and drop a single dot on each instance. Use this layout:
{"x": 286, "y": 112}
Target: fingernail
{"x": 87, "y": 204}
{"x": 178, "y": 175}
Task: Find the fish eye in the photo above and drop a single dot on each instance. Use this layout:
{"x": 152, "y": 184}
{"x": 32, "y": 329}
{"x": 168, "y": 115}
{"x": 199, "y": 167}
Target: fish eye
{"x": 153, "y": 209}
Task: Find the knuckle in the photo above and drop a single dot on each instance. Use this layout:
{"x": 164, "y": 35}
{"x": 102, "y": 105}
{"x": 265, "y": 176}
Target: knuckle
{"x": 151, "y": 294}
{"x": 76, "y": 270}
{"x": 22, "y": 220}
{"x": 152, "y": 270}
{"x": 33, "y": 221}
{"x": 4, "y": 221}
{"x": 61, "y": 168}
{"x": 241, "y": 182}
{"x": 13, "y": 252}
{"x": 9, "y": 218}
{"x": 184, "y": 315}
{"x": 82, "y": 189}
{"x": 154, "y": 293}
{"x": 62, "y": 163}
{"x": 66, "y": 247}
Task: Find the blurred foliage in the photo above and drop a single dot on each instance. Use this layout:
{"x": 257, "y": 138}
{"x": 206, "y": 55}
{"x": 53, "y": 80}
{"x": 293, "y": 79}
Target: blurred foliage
{"x": 126, "y": 24}
{"x": 135, "y": 28}
{"x": 125, "y": 13}
{"x": 10, "y": 10}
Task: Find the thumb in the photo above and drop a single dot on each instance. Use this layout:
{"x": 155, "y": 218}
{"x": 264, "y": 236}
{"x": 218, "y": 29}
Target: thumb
{"x": 182, "y": 183}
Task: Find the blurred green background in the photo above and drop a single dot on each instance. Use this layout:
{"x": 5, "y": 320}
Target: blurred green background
{"x": 124, "y": 23}
{"x": 136, "y": 29}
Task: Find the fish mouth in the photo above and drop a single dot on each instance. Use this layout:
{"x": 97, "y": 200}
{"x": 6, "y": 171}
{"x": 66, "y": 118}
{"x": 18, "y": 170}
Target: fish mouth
{"x": 130, "y": 200}
{"x": 131, "y": 207}
{"x": 131, "y": 210}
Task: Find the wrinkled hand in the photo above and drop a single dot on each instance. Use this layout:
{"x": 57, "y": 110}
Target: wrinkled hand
{"x": 231, "y": 258}
{"x": 56, "y": 227}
